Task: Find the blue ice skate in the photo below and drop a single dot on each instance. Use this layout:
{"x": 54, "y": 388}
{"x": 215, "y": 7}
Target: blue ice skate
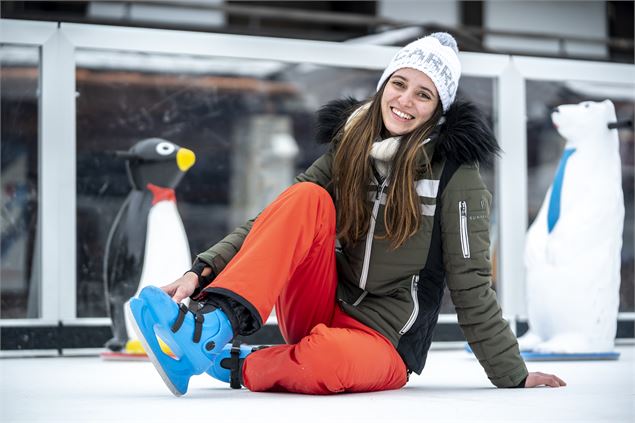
{"x": 195, "y": 339}
{"x": 228, "y": 364}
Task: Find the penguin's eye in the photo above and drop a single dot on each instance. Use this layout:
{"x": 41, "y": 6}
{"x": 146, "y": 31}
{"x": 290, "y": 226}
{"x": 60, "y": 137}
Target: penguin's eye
{"x": 165, "y": 148}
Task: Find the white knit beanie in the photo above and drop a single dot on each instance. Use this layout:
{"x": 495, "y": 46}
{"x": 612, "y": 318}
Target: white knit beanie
{"x": 435, "y": 55}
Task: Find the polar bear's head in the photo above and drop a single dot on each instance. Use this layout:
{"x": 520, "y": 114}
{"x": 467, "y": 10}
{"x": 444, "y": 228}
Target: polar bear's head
{"x": 589, "y": 119}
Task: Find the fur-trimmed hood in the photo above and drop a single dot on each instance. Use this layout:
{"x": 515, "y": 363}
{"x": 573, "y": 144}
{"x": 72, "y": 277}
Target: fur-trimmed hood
{"x": 464, "y": 136}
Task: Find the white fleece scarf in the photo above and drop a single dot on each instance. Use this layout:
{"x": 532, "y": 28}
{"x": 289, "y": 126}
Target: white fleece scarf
{"x": 383, "y": 152}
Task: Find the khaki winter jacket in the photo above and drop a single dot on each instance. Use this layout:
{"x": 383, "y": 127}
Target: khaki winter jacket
{"x": 398, "y": 292}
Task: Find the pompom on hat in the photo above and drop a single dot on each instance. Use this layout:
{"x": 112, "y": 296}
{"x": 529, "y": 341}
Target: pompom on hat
{"x": 436, "y": 55}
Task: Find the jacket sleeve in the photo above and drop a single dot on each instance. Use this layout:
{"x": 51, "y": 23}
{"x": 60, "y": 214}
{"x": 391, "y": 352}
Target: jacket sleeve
{"x": 466, "y": 205}
{"x": 222, "y": 252}
{"x": 320, "y": 172}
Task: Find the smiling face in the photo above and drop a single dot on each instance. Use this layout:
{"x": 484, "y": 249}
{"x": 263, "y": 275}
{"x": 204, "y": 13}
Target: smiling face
{"x": 409, "y": 100}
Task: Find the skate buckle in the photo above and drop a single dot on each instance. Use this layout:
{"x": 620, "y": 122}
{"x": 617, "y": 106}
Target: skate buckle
{"x": 183, "y": 310}
{"x": 234, "y": 380}
{"x": 198, "y": 327}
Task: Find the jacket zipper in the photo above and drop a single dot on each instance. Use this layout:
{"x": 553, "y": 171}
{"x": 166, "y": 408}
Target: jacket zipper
{"x": 465, "y": 240}
{"x": 359, "y": 300}
{"x": 415, "y": 311}
{"x": 371, "y": 233}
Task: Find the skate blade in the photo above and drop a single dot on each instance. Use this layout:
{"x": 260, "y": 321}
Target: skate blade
{"x": 153, "y": 358}
{"x": 536, "y": 356}
{"x": 122, "y": 356}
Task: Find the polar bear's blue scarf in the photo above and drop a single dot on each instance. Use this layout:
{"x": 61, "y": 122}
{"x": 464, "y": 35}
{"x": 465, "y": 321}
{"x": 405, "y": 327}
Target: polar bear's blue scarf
{"x": 553, "y": 214}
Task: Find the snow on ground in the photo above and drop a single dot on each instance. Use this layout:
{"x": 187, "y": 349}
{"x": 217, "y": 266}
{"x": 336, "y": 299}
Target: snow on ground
{"x": 452, "y": 388}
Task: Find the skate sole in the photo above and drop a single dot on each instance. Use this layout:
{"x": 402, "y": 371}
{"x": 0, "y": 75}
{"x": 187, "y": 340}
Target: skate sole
{"x": 151, "y": 355}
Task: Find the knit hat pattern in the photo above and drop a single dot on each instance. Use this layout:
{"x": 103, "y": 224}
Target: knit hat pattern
{"x": 436, "y": 55}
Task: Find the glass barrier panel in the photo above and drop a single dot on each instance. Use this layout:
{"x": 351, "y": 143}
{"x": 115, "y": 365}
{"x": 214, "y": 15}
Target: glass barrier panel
{"x": 19, "y": 279}
{"x": 251, "y": 124}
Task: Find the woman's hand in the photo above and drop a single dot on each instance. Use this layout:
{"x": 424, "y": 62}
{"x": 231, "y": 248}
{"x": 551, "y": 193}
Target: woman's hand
{"x": 183, "y": 287}
{"x": 536, "y": 379}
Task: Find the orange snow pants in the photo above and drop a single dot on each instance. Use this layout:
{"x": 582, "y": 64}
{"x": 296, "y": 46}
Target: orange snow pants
{"x": 288, "y": 260}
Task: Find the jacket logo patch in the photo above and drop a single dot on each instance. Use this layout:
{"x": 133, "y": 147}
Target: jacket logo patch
{"x": 477, "y": 216}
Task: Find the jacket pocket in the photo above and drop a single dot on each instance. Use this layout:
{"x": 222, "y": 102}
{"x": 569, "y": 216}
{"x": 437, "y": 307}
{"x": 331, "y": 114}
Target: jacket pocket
{"x": 415, "y": 299}
{"x": 465, "y": 240}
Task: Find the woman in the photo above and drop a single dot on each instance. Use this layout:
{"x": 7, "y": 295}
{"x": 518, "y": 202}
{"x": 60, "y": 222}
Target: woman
{"x": 356, "y": 302}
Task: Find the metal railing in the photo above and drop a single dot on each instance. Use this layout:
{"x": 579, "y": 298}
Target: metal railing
{"x": 470, "y": 38}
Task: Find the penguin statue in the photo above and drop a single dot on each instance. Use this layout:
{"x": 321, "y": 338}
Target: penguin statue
{"x": 147, "y": 243}
{"x": 572, "y": 252}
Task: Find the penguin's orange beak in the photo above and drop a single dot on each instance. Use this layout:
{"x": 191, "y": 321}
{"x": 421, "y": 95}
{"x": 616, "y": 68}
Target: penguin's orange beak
{"x": 185, "y": 159}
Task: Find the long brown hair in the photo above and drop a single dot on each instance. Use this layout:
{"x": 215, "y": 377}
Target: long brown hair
{"x": 352, "y": 170}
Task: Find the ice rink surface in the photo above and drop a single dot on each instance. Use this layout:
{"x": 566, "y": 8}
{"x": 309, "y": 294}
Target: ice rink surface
{"x": 452, "y": 388}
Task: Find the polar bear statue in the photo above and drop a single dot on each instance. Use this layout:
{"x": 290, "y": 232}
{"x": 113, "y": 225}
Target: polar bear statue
{"x": 572, "y": 251}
